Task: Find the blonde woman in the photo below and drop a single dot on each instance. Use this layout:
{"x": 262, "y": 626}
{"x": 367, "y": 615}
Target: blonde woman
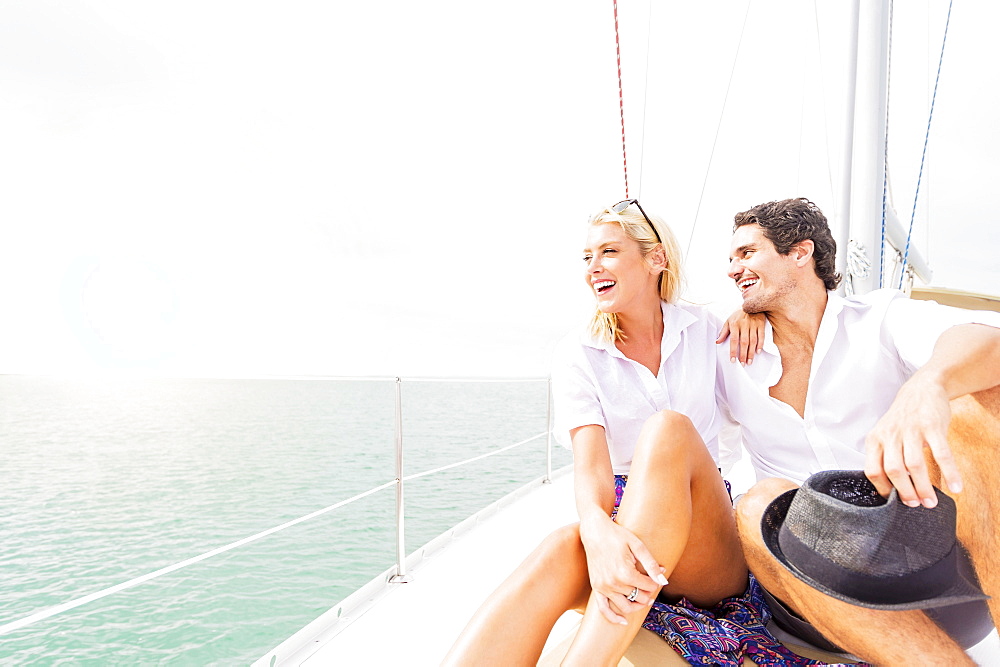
{"x": 636, "y": 395}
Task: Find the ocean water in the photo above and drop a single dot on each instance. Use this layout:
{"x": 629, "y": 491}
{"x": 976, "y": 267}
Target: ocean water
{"x": 104, "y": 481}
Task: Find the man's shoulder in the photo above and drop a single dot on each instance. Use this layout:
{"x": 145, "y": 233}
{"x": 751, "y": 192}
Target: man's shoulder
{"x": 873, "y": 301}
{"x": 867, "y": 308}
{"x": 896, "y": 307}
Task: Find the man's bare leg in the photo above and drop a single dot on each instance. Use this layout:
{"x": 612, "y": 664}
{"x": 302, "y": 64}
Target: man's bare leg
{"x": 879, "y": 637}
{"x": 974, "y": 438}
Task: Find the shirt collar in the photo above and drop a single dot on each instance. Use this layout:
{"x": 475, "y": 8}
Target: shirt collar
{"x": 836, "y": 303}
{"x": 769, "y": 371}
{"x": 766, "y": 366}
{"x": 675, "y": 320}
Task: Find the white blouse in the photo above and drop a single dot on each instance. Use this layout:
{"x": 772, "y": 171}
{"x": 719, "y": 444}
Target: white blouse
{"x": 594, "y": 383}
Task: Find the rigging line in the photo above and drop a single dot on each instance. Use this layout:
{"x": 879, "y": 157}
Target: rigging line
{"x": 885, "y": 153}
{"x": 718, "y": 128}
{"x": 923, "y": 157}
{"x": 645, "y": 97}
{"x": 66, "y": 606}
{"x": 928, "y": 250}
{"x": 826, "y": 118}
{"x": 621, "y": 97}
{"x": 802, "y": 130}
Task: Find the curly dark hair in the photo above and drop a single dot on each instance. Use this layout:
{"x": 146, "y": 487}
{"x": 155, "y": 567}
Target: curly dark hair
{"x": 792, "y": 221}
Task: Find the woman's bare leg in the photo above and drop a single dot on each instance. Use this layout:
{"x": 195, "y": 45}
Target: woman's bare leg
{"x": 677, "y": 504}
{"x": 511, "y": 627}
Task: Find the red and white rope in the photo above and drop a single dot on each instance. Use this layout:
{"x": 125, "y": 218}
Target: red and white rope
{"x": 621, "y": 100}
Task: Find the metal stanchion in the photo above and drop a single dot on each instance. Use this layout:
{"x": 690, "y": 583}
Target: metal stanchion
{"x": 548, "y": 432}
{"x": 400, "y": 576}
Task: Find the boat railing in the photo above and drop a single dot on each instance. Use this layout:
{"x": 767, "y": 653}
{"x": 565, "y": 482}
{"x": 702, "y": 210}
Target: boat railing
{"x": 399, "y": 570}
{"x": 400, "y": 576}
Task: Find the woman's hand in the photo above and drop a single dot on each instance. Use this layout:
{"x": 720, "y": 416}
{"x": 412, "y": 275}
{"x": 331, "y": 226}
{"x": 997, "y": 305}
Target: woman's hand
{"x": 746, "y": 335}
{"x": 618, "y": 561}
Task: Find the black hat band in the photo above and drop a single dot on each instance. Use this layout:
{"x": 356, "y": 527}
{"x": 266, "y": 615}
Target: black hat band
{"x": 889, "y": 589}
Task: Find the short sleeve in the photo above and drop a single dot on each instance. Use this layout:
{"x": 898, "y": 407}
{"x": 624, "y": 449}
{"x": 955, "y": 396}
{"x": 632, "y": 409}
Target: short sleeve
{"x": 914, "y": 326}
{"x": 575, "y": 400}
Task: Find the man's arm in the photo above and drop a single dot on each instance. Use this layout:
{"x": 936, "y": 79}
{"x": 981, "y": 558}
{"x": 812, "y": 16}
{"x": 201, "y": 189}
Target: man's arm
{"x": 966, "y": 359}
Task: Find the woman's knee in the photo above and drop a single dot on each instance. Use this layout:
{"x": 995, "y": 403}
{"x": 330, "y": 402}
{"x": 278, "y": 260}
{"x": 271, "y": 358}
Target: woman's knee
{"x": 560, "y": 546}
{"x": 665, "y": 434}
{"x": 668, "y": 422}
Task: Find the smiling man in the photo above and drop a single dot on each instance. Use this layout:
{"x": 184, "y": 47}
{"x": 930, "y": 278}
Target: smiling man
{"x": 906, "y": 390}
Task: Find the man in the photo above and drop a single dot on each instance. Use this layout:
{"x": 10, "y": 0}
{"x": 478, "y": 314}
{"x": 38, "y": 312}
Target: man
{"x": 906, "y": 390}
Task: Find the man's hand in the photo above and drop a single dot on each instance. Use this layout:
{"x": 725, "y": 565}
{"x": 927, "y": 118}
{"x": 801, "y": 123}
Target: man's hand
{"x": 917, "y": 419}
{"x": 966, "y": 359}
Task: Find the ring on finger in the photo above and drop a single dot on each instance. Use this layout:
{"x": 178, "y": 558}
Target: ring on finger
{"x": 631, "y": 596}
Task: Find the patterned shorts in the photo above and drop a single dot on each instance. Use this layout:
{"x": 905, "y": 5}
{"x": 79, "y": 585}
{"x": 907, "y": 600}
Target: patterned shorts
{"x": 723, "y": 635}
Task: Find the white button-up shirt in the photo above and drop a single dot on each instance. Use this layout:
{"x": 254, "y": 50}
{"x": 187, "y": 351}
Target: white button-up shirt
{"x": 866, "y": 348}
{"x": 594, "y": 383}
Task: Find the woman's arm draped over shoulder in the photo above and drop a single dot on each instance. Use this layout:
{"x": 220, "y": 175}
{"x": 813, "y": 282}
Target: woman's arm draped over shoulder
{"x": 746, "y": 335}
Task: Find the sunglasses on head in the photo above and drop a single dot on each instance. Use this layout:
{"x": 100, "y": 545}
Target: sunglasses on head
{"x": 625, "y": 203}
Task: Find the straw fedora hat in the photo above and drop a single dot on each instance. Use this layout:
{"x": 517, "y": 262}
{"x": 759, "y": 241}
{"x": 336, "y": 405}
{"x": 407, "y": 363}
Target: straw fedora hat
{"x": 837, "y": 534}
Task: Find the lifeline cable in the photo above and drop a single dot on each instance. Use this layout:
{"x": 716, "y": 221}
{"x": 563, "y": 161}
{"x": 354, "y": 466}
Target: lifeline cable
{"x": 621, "y": 99}
{"x": 66, "y": 606}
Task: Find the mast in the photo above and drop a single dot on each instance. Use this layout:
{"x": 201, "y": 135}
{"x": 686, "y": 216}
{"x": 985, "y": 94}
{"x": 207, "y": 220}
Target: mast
{"x": 869, "y": 135}
{"x": 865, "y": 164}
{"x": 842, "y": 231}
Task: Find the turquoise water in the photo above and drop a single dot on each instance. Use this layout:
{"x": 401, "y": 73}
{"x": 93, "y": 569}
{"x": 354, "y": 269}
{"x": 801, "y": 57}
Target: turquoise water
{"x": 104, "y": 481}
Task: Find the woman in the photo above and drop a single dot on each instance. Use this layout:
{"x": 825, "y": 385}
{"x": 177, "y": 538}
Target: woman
{"x": 636, "y": 395}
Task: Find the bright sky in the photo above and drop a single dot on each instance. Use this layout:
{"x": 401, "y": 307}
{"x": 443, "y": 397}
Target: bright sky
{"x": 248, "y": 188}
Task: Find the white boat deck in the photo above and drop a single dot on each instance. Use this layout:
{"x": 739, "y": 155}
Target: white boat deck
{"x": 415, "y": 623}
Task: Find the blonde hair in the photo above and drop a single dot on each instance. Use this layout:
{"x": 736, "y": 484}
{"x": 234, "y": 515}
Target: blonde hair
{"x": 605, "y": 326}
